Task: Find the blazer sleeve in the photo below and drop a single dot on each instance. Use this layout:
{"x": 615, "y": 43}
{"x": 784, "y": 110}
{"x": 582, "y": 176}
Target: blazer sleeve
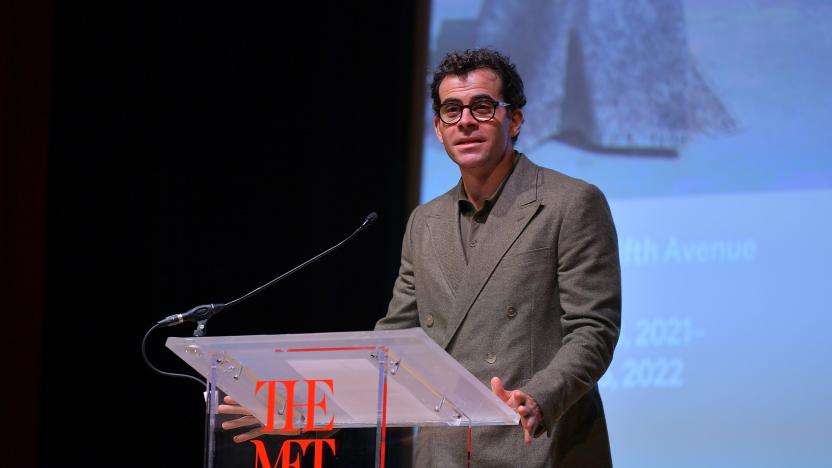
{"x": 402, "y": 311}
{"x": 589, "y": 288}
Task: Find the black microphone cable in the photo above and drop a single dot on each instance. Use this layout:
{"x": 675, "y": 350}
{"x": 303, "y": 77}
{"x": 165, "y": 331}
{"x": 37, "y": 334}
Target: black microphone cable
{"x": 159, "y": 371}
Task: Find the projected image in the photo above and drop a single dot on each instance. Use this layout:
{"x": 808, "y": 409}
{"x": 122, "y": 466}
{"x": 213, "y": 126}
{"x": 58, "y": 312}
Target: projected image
{"x": 612, "y": 77}
{"x": 658, "y": 97}
{"x": 705, "y": 124}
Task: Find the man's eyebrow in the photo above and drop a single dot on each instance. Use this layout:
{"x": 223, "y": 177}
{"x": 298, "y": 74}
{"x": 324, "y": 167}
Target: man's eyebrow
{"x": 482, "y": 96}
{"x": 474, "y": 98}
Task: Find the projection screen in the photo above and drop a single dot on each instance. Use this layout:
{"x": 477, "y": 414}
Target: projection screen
{"x": 704, "y": 123}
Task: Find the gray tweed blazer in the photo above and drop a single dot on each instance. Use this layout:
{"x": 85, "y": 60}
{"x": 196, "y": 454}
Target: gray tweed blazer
{"x": 539, "y": 306}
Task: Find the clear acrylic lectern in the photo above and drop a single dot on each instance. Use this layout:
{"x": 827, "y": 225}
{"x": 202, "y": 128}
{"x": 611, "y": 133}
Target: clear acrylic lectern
{"x": 319, "y": 383}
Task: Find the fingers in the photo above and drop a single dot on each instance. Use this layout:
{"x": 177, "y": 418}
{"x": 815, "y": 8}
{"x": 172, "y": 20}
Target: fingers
{"x": 233, "y": 409}
{"x": 231, "y": 406}
{"x": 530, "y": 418}
{"x": 255, "y": 432}
{"x": 529, "y": 412}
{"x": 258, "y": 431}
{"x": 498, "y": 389}
{"x": 529, "y": 421}
{"x": 246, "y": 436}
{"x": 523, "y": 404}
{"x": 528, "y": 407}
{"x": 241, "y": 422}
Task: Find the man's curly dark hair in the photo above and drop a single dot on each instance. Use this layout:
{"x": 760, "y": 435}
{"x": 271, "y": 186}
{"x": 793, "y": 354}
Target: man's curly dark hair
{"x": 461, "y": 63}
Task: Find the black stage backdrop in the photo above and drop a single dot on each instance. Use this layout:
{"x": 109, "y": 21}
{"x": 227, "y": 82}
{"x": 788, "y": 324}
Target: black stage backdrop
{"x": 196, "y": 151}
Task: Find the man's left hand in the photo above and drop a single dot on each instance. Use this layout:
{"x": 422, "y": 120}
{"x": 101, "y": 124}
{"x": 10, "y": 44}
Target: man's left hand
{"x": 524, "y": 404}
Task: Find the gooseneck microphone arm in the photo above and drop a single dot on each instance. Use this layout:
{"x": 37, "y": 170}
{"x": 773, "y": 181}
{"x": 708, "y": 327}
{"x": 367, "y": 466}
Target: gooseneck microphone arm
{"x": 200, "y": 314}
{"x": 368, "y": 221}
{"x": 206, "y": 311}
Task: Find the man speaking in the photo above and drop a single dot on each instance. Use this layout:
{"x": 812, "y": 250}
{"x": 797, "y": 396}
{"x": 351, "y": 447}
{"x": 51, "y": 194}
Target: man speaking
{"x": 515, "y": 272}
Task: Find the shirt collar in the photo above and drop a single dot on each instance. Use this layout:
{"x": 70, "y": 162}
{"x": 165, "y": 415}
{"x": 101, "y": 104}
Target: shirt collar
{"x": 465, "y": 206}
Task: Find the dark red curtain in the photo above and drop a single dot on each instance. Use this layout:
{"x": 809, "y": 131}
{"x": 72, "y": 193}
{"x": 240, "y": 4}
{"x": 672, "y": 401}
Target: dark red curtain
{"x": 25, "y": 44}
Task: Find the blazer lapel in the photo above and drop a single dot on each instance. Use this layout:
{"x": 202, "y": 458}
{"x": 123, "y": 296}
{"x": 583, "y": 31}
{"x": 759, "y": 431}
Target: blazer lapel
{"x": 444, "y": 233}
{"x": 513, "y": 210}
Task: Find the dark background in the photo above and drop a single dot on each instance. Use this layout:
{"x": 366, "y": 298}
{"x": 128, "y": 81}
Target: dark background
{"x": 160, "y": 155}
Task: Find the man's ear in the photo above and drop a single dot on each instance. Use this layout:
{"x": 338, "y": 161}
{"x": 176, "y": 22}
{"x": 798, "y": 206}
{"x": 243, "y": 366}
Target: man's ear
{"x": 436, "y": 124}
{"x": 516, "y": 122}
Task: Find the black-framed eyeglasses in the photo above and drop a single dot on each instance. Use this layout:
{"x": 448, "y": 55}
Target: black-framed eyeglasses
{"x": 482, "y": 110}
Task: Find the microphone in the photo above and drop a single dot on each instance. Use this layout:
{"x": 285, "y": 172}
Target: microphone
{"x": 369, "y": 220}
{"x": 202, "y": 313}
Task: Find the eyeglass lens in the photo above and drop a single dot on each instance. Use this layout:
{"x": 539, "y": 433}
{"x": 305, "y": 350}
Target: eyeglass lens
{"x": 482, "y": 110}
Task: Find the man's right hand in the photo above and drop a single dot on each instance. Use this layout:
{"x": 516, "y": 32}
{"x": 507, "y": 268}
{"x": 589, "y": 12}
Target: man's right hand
{"x": 246, "y": 419}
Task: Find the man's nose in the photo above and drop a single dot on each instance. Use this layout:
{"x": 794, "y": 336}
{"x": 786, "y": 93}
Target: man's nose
{"x": 467, "y": 118}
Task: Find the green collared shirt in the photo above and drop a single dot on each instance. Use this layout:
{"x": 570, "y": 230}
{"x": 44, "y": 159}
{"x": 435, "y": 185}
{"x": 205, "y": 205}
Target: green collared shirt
{"x": 472, "y": 220}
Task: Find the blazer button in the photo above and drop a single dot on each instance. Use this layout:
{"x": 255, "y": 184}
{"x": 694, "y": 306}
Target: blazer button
{"x": 429, "y": 321}
{"x": 511, "y": 312}
{"x": 491, "y": 358}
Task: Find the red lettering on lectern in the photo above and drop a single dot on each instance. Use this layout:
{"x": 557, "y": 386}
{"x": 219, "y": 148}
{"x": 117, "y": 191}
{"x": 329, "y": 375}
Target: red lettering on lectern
{"x": 271, "y": 395}
{"x": 262, "y": 457}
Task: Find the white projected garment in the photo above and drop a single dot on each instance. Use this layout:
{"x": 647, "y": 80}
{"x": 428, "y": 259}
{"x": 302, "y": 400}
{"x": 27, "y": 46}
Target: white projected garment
{"x": 604, "y": 76}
